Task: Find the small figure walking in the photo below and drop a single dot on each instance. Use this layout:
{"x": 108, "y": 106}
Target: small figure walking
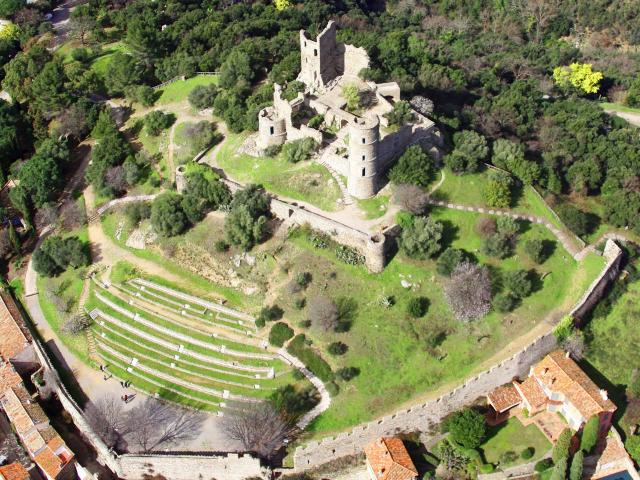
{"x": 125, "y": 397}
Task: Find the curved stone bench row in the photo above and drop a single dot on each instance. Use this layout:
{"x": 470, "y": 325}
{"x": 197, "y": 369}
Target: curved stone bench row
{"x": 174, "y": 380}
{"x": 181, "y": 336}
{"x": 193, "y": 299}
{"x": 173, "y": 346}
{"x": 156, "y": 383}
{"x": 186, "y": 360}
{"x": 166, "y": 299}
{"x": 222, "y": 323}
{"x": 173, "y": 365}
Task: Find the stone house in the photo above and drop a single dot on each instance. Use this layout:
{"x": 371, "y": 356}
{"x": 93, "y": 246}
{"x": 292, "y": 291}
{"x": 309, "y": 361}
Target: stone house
{"x": 557, "y": 384}
{"x": 388, "y": 459}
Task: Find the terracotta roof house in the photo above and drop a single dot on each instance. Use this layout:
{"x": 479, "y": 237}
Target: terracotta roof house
{"x": 614, "y": 463}
{"x": 42, "y": 442}
{"x": 557, "y": 384}
{"x": 388, "y": 459}
{"x": 13, "y": 471}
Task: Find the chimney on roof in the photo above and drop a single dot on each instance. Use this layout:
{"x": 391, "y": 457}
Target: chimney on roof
{"x": 567, "y": 354}
{"x": 604, "y": 394}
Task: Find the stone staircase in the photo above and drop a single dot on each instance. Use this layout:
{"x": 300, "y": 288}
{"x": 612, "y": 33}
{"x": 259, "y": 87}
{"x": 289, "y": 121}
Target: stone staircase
{"x": 91, "y": 346}
{"x": 347, "y": 199}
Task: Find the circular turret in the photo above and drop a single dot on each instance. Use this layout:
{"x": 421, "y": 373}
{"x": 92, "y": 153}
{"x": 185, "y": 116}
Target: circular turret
{"x": 364, "y": 136}
{"x": 272, "y": 130}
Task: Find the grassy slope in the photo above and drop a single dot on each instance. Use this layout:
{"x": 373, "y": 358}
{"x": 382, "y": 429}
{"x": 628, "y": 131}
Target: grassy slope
{"x": 401, "y": 362}
{"x": 179, "y": 91}
{"x": 305, "y": 181}
{"x": 374, "y": 207}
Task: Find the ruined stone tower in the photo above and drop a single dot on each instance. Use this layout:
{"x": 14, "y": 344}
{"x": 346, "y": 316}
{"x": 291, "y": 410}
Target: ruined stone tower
{"x": 364, "y": 137}
{"x": 318, "y": 62}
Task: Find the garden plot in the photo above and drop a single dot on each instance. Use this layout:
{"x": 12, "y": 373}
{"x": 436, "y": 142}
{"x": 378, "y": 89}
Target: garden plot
{"x": 165, "y": 354}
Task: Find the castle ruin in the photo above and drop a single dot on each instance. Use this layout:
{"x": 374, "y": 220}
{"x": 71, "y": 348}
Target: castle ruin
{"x": 360, "y": 145}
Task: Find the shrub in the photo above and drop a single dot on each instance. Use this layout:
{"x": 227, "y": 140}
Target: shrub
{"x": 518, "y": 283}
{"x": 348, "y": 373}
{"x": 534, "y": 248}
{"x": 561, "y": 448}
{"x": 414, "y": 167}
{"x": 559, "y": 470}
{"x": 303, "y": 279}
{"x": 498, "y": 193}
{"x": 167, "y": 215}
{"x": 486, "y": 468}
{"x": 486, "y": 226}
{"x": 315, "y": 121}
{"x": 299, "y": 150}
{"x": 497, "y": 246}
{"x": 405, "y": 219}
{"x": 543, "y": 465}
{"x": 279, "y": 334}
{"x": 314, "y": 362}
{"x": 563, "y": 329}
{"x": 337, "y": 348}
{"x": 575, "y": 219}
{"x": 270, "y": 314}
{"x": 220, "y": 246}
{"x": 417, "y": 307}
{"x": 449, "y": 260}
{"x": 527, "y": 453}
{"x": 401, "y": 113}
{"x": 577, "y": 465}
{"x": 632, "y": 444}
{"x": 505, "y": 302}
{"x": 349, "y": 255}
{"x": 318, "y": 240}
{"x": 422, "y": 239}
{"x": 590, "y": 434}
{"x": 76, "y": 324}
{"x": 507, "y": 226}
{"x": 157, "y": 121}
{"x": 299, "y": 303}
{"x": 468, "y": 292}
{"x": 136, "y": 212}
{"x": 467, "y": 427}
{"x": 203, "y": 96}
{"x": 508, "y": 457}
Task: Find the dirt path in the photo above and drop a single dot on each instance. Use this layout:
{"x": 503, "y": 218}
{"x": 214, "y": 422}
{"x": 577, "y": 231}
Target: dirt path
{"x": 170, "y": 164}
{"x": 632, "y": 118}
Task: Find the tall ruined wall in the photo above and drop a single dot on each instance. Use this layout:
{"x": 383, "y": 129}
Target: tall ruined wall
{"x": 392, "y": 145}
{"x": 186, "y": 466}
{"x": 351, "y": 60}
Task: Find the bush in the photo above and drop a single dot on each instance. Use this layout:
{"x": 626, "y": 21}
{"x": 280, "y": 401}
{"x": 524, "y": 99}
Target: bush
{"x": 505, "y": 302}
{"x": 534, "y": 248}
{"x": 417, "y": 307}
{"x": 220, "y": 246}
{"x": 486, "y": 226}
{"x": 498, "y": 193}
{"x": 203, "y": 96}
{"x": 401, "y": 113}
{"x": 449, "y": 260}
{"x": 422, "y": 239}
{"x": 543, "y": 465}
{"x": 486, "y": 468}
{"x": 414, "y": 167}
{"x": 76, "y": 324}
{"x": 575, "y": 219}
{"x": 518, "y": 283}
{"x": 323, "y": 314}
{"x": 303, "y": 279}
{"x": 299, "y": 303}
{"x": 632, "y": 444}
{"x": 143, "y": 94}
{"x": 508, "y": 457}
{"x": 337, "y": 348}
{"x": 157, "y": 121}
{"x": 590, "y": 434}
{"x": 497, "y": 245}
{"x": 349, "y": 255}
{"x": 348, "y": 373}
{"x": 560, "y": 469}
{"x": 314, "y": 362}
{"x": 527, "y": 453}
{"x": 136, "y": 212}
{"x": 561, "y": 448}
{"x": 270, "y": 314}
{"x": 507, "y": 226}
{"x": 167, "y": 216}
{"x": 405, "y": 219}
{"x": 467, "y": 427}
{"x": 279, "y": 334}
{"x": 563, "y": 329}
{"x": 299, "y": 150}
{"x": 315, "y": 121}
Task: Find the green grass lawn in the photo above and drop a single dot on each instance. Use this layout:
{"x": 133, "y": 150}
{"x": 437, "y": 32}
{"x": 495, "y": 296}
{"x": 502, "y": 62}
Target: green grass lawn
{"x": 512, "y": 436}
{"x": 619, "y": 108}
{"x": 374, "y": 207}
{"x": 416, "y": 356}
{"x": 100, "y": 64}
{"x": 179, "y": 90}
{"x": 306, "y": 181}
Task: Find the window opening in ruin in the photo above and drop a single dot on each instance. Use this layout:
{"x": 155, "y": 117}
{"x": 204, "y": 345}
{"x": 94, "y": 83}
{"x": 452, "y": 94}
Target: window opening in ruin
{"x": 272, "y": 130}
{"x": 363, "y": 140}
{"x": 315, "y": 52}
{"x": 363, "y": 158}
{"x": 363, "y": 172}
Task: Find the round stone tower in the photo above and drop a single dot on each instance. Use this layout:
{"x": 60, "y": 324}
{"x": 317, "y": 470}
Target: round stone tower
{"x": 181, "y": 181}
{"x": 364, "y": 136}
{"x": 272, "y": 128}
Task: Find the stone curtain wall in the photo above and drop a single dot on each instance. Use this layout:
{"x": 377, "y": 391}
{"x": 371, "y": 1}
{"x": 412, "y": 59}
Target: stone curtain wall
{"x": 613, "y": 255}
{"x": 187, "y": 466}
{"x": 422, "y": 417}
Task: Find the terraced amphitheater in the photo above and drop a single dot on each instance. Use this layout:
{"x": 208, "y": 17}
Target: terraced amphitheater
{"x": 182, "y": 348}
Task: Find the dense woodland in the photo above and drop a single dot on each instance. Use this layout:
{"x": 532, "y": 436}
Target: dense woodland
{"x": 488, "y": 66}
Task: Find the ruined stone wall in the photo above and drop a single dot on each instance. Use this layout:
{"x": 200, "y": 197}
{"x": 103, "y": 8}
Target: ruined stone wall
{"x": 353, "y": 59}
{"x": 187, "y": 466}
{"x": 393, "y": 144}
{"x": 424, "y": 416}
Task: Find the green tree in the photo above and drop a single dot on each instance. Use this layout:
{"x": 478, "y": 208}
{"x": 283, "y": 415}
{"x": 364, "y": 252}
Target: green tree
{"x": 299, "y": 150}
{"x": 143, "y": 94}
{"x": 48, "y": 89}
{"x": 578, "y": 77}
{"x": 497, "y": 192}
{"x": 194, "y": 208}
{"x": 124, "y": 71}
{"x": 41, "y": 178}
{"x": 401, "y": 114}
{"x": 497, "y": 246}
{"x": 279, "y": 334}
{"x": 422, "y": 239}
{"x": 590, "y": 434}
{"x": 577, "y": 465}
{"x": 9, "y": 7}
{"x": 518, "y": 283}
{"x": 449, "y": 260}
{"x": 167, "y": 215}
{"x": 467, "y": 427}
{"x": 535, "y": 249}
{"x": 575, "y": 219}
{"x": 632, "y": 444}
{"x": 203, "y": 96}
{"x": 560, "y": 469}
{"x": 561, "y": 448}
{"x": 473, "y": 145}
{"x": 56, "y": 254}
{"x": 414, "y": 167}
{"x": 155, "y": 122}
{"x": 351, "y": 94}
{"x": 236, "y": 70}
{"x": 244, "y": 229}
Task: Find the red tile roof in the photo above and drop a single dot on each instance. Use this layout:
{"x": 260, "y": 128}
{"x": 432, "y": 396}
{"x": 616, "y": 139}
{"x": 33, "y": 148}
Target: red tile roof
{"x": 559, "y": 373}
{"x": 532, "y": 392}
{"x": 503, "y": 398}
{"x": 390, "y": 460}
{"x": 13, "y": 471}
{"x": 14, "y": 339}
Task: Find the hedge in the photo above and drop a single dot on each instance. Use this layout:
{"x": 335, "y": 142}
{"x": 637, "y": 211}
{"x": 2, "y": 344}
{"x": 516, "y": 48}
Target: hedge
{"x": 314, "y": 362}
